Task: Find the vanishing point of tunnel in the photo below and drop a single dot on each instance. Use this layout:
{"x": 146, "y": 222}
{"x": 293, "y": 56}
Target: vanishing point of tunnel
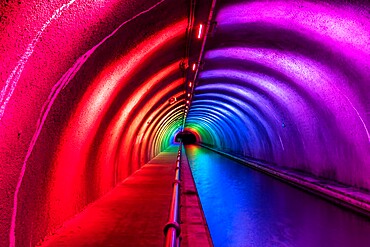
{"x": 98, "y": 98}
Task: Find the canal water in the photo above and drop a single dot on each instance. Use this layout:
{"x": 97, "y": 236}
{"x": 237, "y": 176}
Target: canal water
{"x": 244, "y": 207}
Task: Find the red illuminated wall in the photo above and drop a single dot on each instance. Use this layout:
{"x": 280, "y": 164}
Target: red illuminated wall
{"x": 85, "y": 94}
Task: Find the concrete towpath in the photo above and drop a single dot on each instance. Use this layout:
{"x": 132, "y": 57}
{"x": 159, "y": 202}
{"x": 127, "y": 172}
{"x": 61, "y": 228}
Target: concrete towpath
{"x": 135, "y": 212}
{"x": 132, "y": 214}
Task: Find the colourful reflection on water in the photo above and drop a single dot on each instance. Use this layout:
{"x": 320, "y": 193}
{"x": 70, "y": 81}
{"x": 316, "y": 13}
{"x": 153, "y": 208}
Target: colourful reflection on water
{"x": 246, "y": 208}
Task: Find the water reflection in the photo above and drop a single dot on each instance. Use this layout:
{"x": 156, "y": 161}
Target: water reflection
{"x": 246, "y": 208}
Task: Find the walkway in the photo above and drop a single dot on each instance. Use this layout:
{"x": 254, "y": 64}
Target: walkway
{"x": 132, "y": 214}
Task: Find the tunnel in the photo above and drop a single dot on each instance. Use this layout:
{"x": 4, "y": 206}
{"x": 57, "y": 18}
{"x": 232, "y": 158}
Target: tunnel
{"x": 93, "y": 90}
{"x": 186, "y": 137}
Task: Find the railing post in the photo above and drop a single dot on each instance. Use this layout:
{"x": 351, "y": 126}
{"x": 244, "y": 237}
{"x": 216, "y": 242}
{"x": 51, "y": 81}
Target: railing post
{"x": 172, "y": 228}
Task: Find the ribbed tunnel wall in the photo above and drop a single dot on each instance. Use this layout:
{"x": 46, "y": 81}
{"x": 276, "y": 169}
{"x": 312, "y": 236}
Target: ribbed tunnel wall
{"x": 288, "y": 83}
{"x": 92, "y": 90}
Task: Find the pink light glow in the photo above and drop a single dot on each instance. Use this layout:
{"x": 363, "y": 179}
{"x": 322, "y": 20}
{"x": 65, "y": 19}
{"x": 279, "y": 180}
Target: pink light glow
{"x": 308, "y": 74}
{"x": 13, "y": 79}
{"x": 200, "y": 31}
{"x": 303, "y": 69}
{"x": 194, "y": 66}
{"x": 338, "y": 26}
{"x": 11, "y": 82}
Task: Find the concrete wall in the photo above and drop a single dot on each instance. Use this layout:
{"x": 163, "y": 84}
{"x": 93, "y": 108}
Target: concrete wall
{"x": 288, "y": 83}
{"x": 85, "y": 88}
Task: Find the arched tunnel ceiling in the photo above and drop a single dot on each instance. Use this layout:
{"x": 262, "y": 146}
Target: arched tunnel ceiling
{"x": 288, "y": 83}
{"x": 92, "y": 90}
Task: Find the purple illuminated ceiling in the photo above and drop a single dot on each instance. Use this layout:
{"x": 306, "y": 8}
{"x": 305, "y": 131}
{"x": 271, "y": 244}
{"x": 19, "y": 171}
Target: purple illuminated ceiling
{"x": 293, "y": 81}
{"x": 92, "y": 90}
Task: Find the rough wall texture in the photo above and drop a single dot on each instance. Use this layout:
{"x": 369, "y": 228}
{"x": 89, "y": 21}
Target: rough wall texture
{"x": 91, "y": 90}
{"x": 288, "y": 83}
{"x": 82, "y": 83}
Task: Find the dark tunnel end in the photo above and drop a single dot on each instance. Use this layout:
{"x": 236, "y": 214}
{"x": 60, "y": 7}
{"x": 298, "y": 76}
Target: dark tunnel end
{"x": 186, "y": 137}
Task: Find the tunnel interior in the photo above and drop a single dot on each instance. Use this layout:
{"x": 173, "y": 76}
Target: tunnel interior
{"x": 186, "y": 137}
{"x": 93, "y": 90}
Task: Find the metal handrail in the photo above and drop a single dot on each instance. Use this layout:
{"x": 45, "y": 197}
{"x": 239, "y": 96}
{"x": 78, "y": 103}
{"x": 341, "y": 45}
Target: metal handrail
{"x": 172, "y": 228}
